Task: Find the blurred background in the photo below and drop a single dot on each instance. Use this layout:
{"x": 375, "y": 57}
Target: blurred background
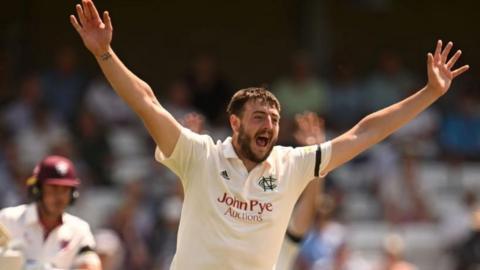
{"x": 412, "y": 198}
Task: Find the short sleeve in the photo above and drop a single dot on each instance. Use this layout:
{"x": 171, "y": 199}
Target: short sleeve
{"x": 311, "y": 161}
{"x": 190, "y": 149}
{"x": 86, "y": 254}
{"x": 87, "y": 241}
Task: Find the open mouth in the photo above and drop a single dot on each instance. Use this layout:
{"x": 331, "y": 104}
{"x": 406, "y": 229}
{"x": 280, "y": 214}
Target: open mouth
{"x": 262, "y": 140}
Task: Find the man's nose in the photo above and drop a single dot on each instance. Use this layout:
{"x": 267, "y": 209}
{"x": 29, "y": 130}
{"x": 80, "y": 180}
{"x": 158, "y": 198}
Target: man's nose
{"x": 269, "y": 122}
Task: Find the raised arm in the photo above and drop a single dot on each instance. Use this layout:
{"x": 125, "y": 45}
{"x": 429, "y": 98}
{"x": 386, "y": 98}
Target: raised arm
{"x": 97, "y": 36}
{"x": 310, "y": 130}
{"x": 378, "y": 125}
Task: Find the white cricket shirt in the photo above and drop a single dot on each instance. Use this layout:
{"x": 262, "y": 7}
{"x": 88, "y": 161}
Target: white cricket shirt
{"x": 62, "y": 245}
{"x": 233, "y": 219}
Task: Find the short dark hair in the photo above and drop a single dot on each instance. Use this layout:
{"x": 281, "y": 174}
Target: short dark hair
{"x": 237, "y": 102}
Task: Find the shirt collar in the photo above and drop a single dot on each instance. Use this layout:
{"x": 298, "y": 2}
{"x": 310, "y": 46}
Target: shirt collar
{"x": 31, "y": 215}
{"x": 229, "y": 152}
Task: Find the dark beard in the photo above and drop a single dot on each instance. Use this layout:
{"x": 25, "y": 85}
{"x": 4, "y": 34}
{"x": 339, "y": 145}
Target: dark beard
{"x": 244, "y": 141}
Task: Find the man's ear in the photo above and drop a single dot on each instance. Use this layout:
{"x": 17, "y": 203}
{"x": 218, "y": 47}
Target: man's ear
{"x": 234, "y": 123}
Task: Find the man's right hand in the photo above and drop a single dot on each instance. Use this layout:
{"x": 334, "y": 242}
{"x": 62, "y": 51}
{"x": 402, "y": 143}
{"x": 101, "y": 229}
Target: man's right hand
{"x": 95, "y": 33}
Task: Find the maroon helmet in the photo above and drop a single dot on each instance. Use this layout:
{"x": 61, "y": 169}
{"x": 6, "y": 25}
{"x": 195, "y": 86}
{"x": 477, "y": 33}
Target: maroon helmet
{"x": 56, "y": 170}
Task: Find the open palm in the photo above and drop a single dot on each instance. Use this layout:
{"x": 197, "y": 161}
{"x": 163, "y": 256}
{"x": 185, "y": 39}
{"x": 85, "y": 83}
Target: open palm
{"x": 440, "y": 73}
{"x": 310, "y": 129}
{"x": 95, "y": 33}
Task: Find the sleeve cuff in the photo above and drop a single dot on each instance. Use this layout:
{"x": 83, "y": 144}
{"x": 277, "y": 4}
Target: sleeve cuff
{"x": 326, "y": 154}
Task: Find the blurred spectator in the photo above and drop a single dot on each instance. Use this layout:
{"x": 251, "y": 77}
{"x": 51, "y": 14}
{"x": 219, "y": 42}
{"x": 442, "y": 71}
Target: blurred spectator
{"x": 456, "y": 226}
{"x": 43, "y": 137}
{"x": 418, "y": 139}
{"x": 63, "y": 84}
{"x": 393, "y": 255}
{"x": 12, "y": 186}
{"x": 131, "y": 153}
{"x": 18, "y": 115}
{"x": 301, "y": 90}
{"x": 110, "y": 249}
{"x": 396, "y": 187}
{"x": 170, "y": 213}
{"x": 107, "y": 107}
{"x": 298, "y": 92}
{"x": 93, "y": 147}
{"x": 325, "y": 245}
{"x": 460, "y": 129}
{"x": 345, "y": 97}
{"x": 179, "y": 99}
{"x": 468, "y": 252}
{"x": 133, "y": 223}
{"x": 388, "y": 83}
{"x": 211, "y": 92}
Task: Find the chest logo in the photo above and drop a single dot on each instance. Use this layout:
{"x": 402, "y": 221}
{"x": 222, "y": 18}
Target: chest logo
{"x": 268, "y": 183}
